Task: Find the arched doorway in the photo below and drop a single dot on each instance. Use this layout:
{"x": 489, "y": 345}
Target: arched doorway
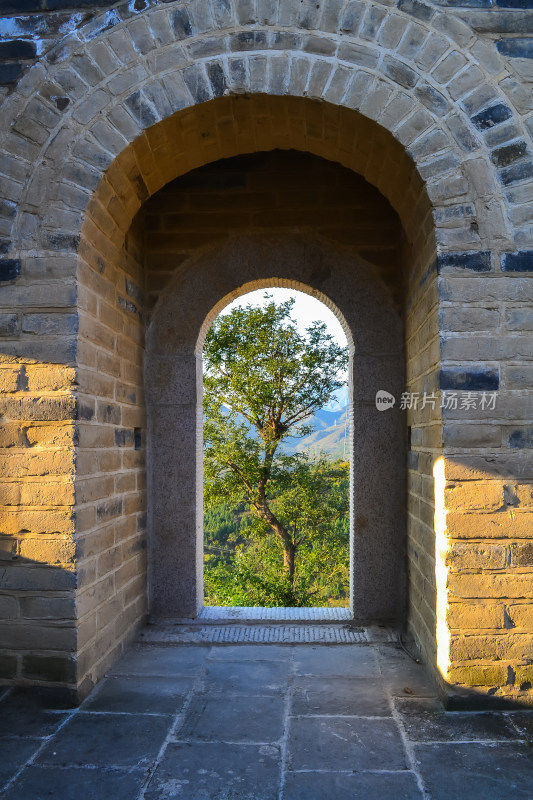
{"x": 308, "y": 245}
{"x": 300, "y": 565}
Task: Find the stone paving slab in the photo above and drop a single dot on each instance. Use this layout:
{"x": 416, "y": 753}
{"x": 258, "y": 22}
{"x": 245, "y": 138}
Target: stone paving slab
{"x": 250, "y": 652}
{"x": 204, "y": 771}
{"x": 162, "y": 661}
{"x": 107, "y": 740}
{"x": 403, "y": 676}
{"x": 236, "y": 719}
{"x": 38, "y": 783}
{"x": 424, "y": 720}
{"x": 357, "y": 786}
{"x": 339, "y": 696}
{"x": 233, "y": 677}
{"x": 14, "y": 754}
{"x": 26, "y": 717}
{"x": 476, "y": 771}
{"x": 262, "y": 722}
{"x": 150, "y": 694}
{"x": 341, "y": 660}
{"x": 345, "y": 743}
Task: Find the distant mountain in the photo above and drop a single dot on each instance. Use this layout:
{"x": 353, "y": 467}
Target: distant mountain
{"x": 331, "y": 431}
{"x": 330, "y": 435}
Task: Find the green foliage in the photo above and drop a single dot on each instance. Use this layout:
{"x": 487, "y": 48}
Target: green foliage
{"x": 263, "y": 380}
{"x": 245, "y": 569}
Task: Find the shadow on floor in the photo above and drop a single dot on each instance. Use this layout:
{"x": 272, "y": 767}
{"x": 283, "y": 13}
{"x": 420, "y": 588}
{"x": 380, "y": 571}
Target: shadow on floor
{"x": 262, "y": 722}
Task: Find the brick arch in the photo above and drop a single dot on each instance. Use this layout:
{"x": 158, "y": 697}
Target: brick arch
{"x": 386, "y": 64}
{"x": 229, "y": 126}
{"x": 272, "y": 283}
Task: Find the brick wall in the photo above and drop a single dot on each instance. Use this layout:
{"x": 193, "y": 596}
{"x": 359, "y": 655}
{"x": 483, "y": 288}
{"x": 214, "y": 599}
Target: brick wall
{"x": 110, "y": 468}
{"x": 38, "y": 578}
{"x": 429, "y": 103}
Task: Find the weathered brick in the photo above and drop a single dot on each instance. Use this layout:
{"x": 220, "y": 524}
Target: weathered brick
{"x": 494, "y": 647}
{"x": 416, "y": 9}
{"x": 476, "y": 557}
{"x": 56, "y": 669}
{"x": 400, "y": 72}
{"x": 516, "y": 47}
{"x": 478, "y": 674}
{"x": 8, "y": 666}
{"x": 517, "y": 262}
{"x": 503, "y": 156}
{"x": 472, "y": 616}
{"x": 474, "y": 496}
{"x": 521, "y": 615}
{"x": 522, "y": 553}
{"x": 358, "y": 54}
{"x": 9, "y": 269}
{"x": 478, "y": 585}
{"x": 469, "y": 379}
{"x": 494, "y": 115}
{"x": 48, "y": 551}
{"x": 466, "y": 435}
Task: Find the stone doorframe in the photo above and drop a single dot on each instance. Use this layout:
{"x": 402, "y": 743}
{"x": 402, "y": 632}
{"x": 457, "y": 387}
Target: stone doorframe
{"x": 173, "y": 383}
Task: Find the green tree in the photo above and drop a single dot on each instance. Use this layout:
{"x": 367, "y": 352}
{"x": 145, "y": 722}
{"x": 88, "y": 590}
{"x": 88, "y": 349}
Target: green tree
{"x": 313, "y": 502}
{"x": 263, "y": 380}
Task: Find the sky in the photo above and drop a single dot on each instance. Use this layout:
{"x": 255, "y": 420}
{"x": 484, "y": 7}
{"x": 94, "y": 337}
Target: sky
{"x": 306, "y": 310}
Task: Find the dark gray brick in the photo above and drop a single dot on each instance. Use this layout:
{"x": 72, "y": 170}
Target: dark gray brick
{"x": 517, "y": 262}
{"x": 474, "y": 379}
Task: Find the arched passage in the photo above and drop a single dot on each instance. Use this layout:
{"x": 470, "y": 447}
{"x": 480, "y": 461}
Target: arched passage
{"x": 378, "y": 457}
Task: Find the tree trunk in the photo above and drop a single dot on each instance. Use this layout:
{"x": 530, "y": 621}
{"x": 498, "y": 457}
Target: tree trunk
{"x": 289, "y": 555}
{"x": 289, "y": 548}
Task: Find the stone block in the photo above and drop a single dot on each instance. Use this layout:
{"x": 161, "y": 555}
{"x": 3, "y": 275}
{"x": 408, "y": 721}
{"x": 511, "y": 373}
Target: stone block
{"x": 475, "y": 378}
{"x": 522, "y": 261}
{"x": 392, "y": 30}
{"x": 463, "y": 556}
{"x": 515, "y": 47}
{"x": 474, "y": 586}
{"x": 8, "y": 666}
{"x": 9, "y": 269}
{"x": 358, "y": 54}
{"x": 34, "y": 607}
{"x": 400, "y": 72}
{"x": 517, "y": 173}
{"x": 494, "y": 647}
{"x": 474, "y": 616}
{"x": 48, "y": 551}
{"x": 521, "y": 614}
{"x": 417, "y": 9}
{"x": 522, "y": 552}
{"x": 9, "y": 606}
{"x": 465, "y": 435}
{"x": 474, "y": 496}
{"x": 503, "y": 156}
{"x": 56, "y": 669}
{"x": 524, "y": 676}
{"x": 478, "y": 674}
{"x": 10, "y": 72}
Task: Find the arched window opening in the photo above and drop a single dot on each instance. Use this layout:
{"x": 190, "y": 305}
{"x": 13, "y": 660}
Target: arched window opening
{"x": 276, "y": 452}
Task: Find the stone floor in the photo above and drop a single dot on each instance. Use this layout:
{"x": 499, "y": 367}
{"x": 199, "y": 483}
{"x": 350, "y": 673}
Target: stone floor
{"x": 263, "y": 722}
